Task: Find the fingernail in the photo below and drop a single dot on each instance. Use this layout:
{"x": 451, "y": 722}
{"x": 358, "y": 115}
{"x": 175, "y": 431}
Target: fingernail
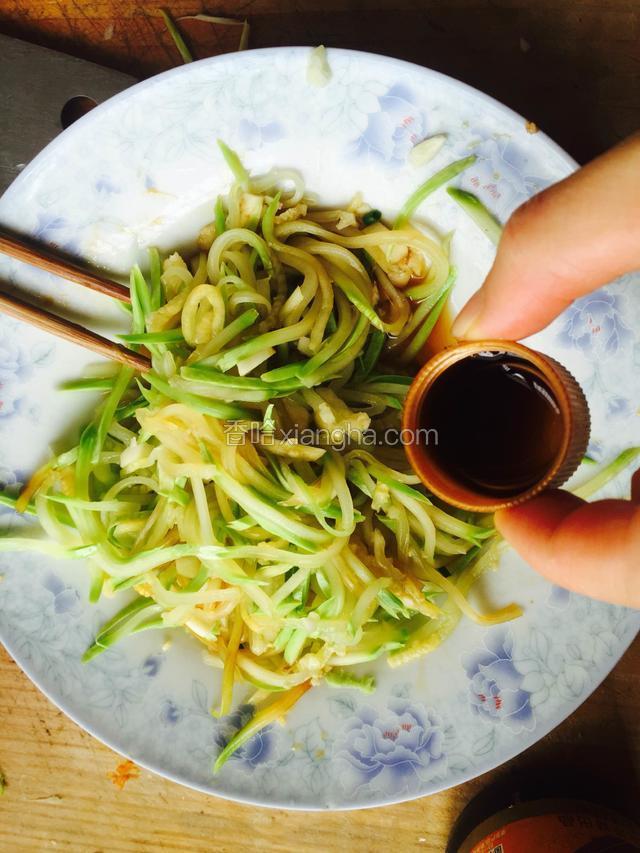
{"x": 469, "y": 316}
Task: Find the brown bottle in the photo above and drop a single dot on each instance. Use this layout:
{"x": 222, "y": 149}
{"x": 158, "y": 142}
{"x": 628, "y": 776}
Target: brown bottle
{"x": 550, "y": 813}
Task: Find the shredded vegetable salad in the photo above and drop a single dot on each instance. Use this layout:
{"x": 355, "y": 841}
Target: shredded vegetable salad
{"x": 231, "y": 490}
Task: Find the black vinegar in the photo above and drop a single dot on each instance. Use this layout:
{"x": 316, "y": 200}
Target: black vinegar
{"x": 498, "y": 423}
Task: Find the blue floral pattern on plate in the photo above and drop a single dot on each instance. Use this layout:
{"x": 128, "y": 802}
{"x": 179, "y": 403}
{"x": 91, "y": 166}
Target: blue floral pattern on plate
{"x": 19, "y": 360}
{"x": 393, "y": 128}
{"x": 595, "y": 325}
{"x": 143, "y": 170}
{"x": 393, "y": 749}
{"x": 495, "y": 687}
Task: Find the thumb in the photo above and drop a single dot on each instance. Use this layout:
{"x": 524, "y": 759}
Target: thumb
{"x": 566, "y": 241}
{"x": 590, "y": 548}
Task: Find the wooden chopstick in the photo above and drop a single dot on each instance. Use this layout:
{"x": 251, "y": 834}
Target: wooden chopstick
{"x": 15, "y": 307}
{"x": 31, "y": 253}
{"x": 36, "y": 255}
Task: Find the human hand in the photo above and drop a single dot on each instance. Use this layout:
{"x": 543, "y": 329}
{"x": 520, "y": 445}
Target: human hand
{"x": 565, "y": 242}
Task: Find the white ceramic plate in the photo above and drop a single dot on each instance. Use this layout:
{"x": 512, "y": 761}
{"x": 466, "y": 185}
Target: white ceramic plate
{"x": 143, "y": 169}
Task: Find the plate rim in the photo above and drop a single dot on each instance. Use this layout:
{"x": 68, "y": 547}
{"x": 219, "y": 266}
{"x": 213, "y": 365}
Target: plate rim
{"x": 51, "y": 150}
{"x": 102, "y": 108}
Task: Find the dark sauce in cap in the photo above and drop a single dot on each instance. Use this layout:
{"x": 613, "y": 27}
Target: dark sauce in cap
{"x": 498, "y": 424}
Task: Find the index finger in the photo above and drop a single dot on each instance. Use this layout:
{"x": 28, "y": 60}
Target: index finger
{"x": 591, "y": 548}
{"x": 566, "y": 241}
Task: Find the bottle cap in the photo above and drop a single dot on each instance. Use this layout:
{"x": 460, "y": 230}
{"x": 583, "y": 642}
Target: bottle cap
{"x": 446, "y": 480}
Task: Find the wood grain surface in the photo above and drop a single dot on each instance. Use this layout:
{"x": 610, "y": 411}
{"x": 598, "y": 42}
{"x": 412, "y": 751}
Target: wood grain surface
{"x": 573, "y": 66}
{"x": 59, "y": 796}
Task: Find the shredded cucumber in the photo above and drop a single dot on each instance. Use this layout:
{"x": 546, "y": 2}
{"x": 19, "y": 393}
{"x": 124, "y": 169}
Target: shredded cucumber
{"x": 102, "y": 383}
{"x": 429, "y": 186}
{"x": 343, "y": 678}
{"x": 231, "y": 487}
{"x": 476, "y": 210}
{"x": 608, "y": 473}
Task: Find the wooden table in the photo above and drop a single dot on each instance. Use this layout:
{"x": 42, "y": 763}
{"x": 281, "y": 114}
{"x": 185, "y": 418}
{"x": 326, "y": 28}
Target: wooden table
{"x": 574, "y": 68}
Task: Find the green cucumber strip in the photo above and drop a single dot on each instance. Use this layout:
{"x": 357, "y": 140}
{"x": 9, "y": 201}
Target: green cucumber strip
{"x": 171, "y": 336}
{"x": 268, "y": 219}
{"x": 224, "y": 411}
{"x": 366, "y": 362}
{"x": 97, "y": 582}
{"x": 586, "y": 490}
{"x": 345, "y": 356}
{"x": 268, "y": 421}
{"x": 261, "y": 685}
{"x": 118, "y": 626}
{"x": 430, "y": 185}
{"x": 475, "y": 210}
{"x": 10, "y": 502}
{"x": 234, "y": 163}
{"x": 425, "y": 295}
{"x": 155, "y": 273}
{"x": 390, "y": 378}
{"x": 338, "y": 677}
{"x": 178, "y": 495}
{"x": 140, "y": 294}
{"x": 392, "y": 604}
{"x": 281, "y": 374}
{"x": 283, "y": 637}
{"x": 86, "y": 448}
{"x": 229, "y": 332}
{"x": 295, "y": 645}
{"x": 133, "y": 627}
{"x": 219, "y": 217}
{"x": 259, "y": 720}
{"x": 323, "y": 584}
{"x": 225, "y": 361}
{"x": 356, "y": 297}
{"x": 176, "y": 35}
{"x": 198, "y": 581}
{"x": 268, "y": 516}
{"x": 101, "y": 383}
{"x": 127, "y": 409}
{"x": 127, "y": 583}
{"x": 120, "y": 385}
{"x": 202, "y": 373}
{"x": 420, "y": 338}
